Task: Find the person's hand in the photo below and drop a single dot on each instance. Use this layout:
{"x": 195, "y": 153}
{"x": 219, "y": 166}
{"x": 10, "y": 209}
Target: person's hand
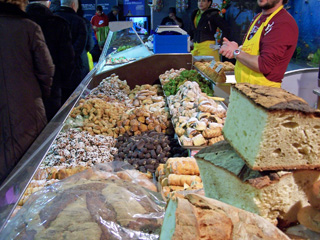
{"x": 94, "y": 28}
{"x": 172, "y": 16}
{"x": 228, "y": 48}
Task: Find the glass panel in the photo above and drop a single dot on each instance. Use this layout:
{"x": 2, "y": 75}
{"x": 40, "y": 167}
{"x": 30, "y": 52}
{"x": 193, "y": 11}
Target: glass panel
{"x": 122, "y": 47}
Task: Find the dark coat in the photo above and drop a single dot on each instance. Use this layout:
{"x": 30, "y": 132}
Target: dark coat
{"x": 112, "y": 17}
{"x": 79, "y": 39}
{"x": 57, "y": 34}
{"x": 207, "y": 26}
{"x": 26, "y": 71}
{"x": 88, "y": 48}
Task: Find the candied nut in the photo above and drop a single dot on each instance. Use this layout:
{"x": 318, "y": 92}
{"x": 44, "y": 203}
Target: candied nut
{"x": 132, "y": 116}
{"x": 151, "y": 126}
{"x": 158, "y": 128}
{"x": 134, "y": 128}
{"x": 141, "y": 119}
{"x": 137, "y": 133}
{"x": 143, "y": 128}
{"x": 134, "y": 122}
{"x": 122, "y": 130}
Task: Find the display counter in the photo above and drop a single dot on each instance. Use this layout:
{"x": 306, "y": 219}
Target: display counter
{"x": 143, "y": 71}
{"x": 145, "y": 68}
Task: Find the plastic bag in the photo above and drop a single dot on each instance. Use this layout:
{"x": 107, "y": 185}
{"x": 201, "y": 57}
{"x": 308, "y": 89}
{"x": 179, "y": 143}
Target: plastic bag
{"x": 94, "y": 204}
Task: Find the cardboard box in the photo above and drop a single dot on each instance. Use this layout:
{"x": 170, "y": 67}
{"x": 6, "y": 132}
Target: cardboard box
{"x": 170, "y": 43}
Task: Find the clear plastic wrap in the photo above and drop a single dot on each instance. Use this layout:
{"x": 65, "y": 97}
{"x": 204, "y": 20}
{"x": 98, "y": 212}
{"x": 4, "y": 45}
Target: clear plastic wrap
{"x": 108, "y": 201}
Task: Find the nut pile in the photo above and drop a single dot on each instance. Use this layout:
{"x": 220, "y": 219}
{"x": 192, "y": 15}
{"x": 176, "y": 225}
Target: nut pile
{"x": 99, "y": 116}
{"x": 144, "y": 152}
{"x": 74, "y": 148}
{"x": 141, "y": 120}
{"x": 112, "y": 89}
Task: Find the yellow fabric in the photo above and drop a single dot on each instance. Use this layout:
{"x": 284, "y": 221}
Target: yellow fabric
{"x": 252, "y": 46}
{"x": 90, "y": 60}
{"x": 203, "y": 49}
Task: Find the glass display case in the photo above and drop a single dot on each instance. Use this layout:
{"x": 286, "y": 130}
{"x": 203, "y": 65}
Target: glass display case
{"x": 123, "y": 45}
{"x": 122, "y": 36}
{"x": 149, "y": 69}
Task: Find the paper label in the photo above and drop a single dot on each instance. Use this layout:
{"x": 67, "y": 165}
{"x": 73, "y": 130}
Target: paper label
{"x": 218, "y": 69}
{"x": 213, "y": 62}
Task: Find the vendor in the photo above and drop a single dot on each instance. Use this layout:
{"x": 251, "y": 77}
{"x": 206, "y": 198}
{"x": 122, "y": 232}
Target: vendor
{"x": 172, "y": 18}
{"x": 268, "y": 47}
{"x": 205, "y": 21}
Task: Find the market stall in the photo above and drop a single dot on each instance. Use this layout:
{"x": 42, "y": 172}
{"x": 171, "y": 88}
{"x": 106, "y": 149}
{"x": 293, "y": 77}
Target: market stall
{"x": 113, "y": 141}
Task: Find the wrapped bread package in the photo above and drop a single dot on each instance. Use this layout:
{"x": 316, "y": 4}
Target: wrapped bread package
{"x": 94, "y": 204}
{"x": 197, "y": 217}
{"x": 272, "y": 129}
{"x": 274, "y": 195}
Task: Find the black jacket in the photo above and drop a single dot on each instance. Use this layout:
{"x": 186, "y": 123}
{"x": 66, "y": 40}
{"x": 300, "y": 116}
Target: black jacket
{"x": 112, "y": 17}
{"x": 88, "y": 48}
{"x": 207, "y": 26}
{"x": 79, "y": 39}
{"x": 57, "y": 34}
{"x": 25, "y": 77}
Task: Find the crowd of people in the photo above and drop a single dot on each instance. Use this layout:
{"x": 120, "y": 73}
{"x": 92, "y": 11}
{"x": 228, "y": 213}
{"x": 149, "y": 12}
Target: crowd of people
{"x": 46, "y": 57}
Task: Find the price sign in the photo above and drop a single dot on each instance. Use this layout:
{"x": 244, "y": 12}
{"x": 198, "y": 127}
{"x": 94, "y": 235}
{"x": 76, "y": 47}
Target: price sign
{"x": 218, "y": 69}
{"x": 213, "y": 62}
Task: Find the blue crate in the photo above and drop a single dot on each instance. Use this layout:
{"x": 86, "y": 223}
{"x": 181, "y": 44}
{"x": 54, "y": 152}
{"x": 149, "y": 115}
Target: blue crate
{"x": 170, "y": 43}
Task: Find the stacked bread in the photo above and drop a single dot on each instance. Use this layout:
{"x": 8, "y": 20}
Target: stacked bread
{"x": 309, "y": 216}
{"x": 196, "y": 217}
{"x": 178, "y": 174}
{"x": 267, "y": 165}
{"x": 216, "y": 70}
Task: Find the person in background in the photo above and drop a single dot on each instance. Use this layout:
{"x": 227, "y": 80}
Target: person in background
{"x": 267, "y": 48}
{"x": 55, "y": 5}
{"x": 25, "y": 79}
{"x": 89, "y": 44}
{"x": 204, "y": 24}
{"x": 99, "y": 20}
{"x": 78, "y": 29}
{"x": 172, "y": 18}
{"x": 57, "y": 34}
{"x": 112, "y": 15}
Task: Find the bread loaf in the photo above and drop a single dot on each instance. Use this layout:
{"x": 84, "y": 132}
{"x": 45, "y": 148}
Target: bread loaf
{"x": 272, "y": 195}
{"x": 182, "y": 166}
{"x": 196, "y": 217}
{"x": 314, "y": 195}
{"x": 272, "y": 129}
{"x": 310, "y": 218}
{"x": 137, "y": 177}
{"x": 89, "y": 209}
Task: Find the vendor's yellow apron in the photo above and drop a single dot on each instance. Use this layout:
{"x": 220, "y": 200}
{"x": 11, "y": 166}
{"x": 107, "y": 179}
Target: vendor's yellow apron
{"x": 203, "y": 49}
{"x": 245, "y": 74}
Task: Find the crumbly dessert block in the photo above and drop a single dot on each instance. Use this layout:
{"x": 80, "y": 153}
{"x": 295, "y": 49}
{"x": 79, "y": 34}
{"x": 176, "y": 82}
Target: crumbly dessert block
{"x": 272, "y": 129}
{"x": 274, "y": 195}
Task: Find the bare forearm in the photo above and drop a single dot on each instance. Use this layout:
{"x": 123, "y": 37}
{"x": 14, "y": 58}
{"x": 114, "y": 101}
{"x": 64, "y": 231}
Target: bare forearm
{"x": 251, "y": 61}
{"x": 227, "y": 49}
